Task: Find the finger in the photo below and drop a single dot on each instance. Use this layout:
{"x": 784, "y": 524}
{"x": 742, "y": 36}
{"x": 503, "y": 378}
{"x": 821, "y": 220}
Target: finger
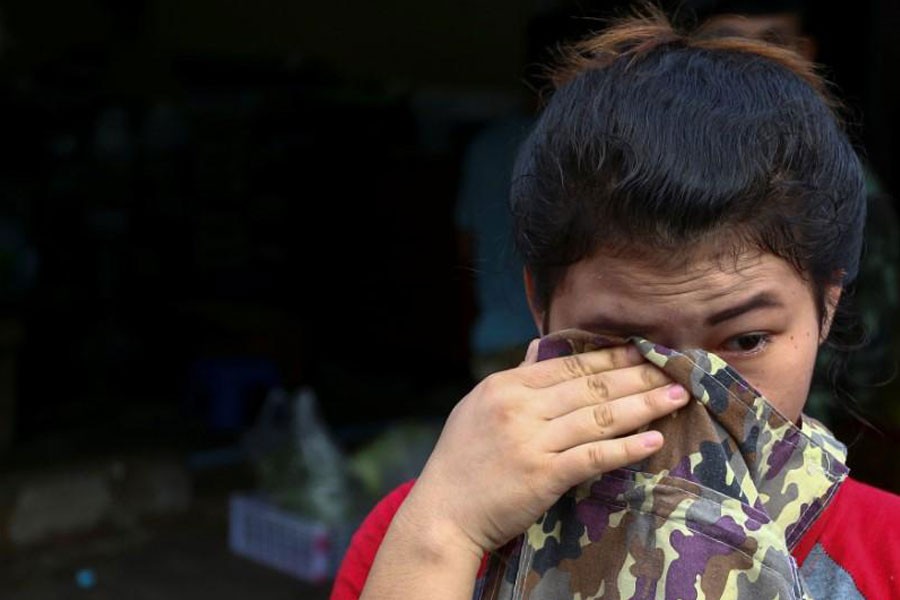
{"x": 556, "y": 370}
{"x": 532, "y": 353}
{"x": 608, "y": 420}
{"x": 600, "y": 388}
{"x": 583, "y": 462}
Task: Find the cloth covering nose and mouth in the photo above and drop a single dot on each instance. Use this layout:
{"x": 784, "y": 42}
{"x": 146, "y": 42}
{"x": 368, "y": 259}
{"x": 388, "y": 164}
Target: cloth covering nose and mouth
{"x": 714, "y": 514}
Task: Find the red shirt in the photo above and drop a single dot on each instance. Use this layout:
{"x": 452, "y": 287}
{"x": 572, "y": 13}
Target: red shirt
{"x": 854, "y": 547}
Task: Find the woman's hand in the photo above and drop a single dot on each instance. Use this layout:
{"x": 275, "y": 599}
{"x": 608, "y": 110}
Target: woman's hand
{"x": 508, "y": 451}
{"x": 523, "y": 437}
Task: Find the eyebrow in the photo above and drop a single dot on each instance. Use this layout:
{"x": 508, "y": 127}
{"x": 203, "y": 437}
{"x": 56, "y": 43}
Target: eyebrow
{"x": 761, "y": 300}
{"x": 614, "y": 326}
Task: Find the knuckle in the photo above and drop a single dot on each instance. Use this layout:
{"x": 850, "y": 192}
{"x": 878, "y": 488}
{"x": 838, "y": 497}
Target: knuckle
{"x": 621, "y": 357}
{"x": 650, "y": 376}
{"x": 538, "y": 470}
{"x": 574, "y": 365}
{"x": 491, "y": 385}
{"x": 500, "y": 411}
{"x": 649, "y": 400}
{"x": 495, "y": 399}
{"x": 596, "y": 457}
{"x": 603, "y": 416}
{"x": 659, "y": 376}
{"x": 598, "y": 388}
{"x": 630, "y": 453}
{"x": 494, "y": 378}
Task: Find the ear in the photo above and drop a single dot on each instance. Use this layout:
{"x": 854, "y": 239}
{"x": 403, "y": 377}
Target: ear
{"x": 533, "y": 304}
{"x": 832, "y": 297}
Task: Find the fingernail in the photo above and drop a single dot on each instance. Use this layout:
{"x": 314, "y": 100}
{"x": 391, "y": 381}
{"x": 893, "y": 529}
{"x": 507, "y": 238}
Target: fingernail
{"x": 677, "y": 392}
{"x": 652, "y": 439}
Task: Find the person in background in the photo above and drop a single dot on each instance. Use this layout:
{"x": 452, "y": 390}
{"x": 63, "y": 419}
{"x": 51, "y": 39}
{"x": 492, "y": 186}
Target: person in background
{"x": 502, "y": 326}
{"x": 689, "y": 210}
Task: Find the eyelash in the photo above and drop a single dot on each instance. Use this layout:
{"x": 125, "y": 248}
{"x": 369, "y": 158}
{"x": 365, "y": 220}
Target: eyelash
{"x": 763, "y": 341}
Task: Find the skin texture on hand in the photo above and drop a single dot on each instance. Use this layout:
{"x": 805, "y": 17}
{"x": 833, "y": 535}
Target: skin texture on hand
{"x": 508, "y": 451}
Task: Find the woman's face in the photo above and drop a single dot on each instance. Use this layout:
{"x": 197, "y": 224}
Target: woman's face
{"x": 754, "y": 311}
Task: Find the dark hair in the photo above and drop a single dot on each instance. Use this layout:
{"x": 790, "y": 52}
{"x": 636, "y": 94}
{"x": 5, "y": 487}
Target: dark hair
{"x": 655, "y": 140}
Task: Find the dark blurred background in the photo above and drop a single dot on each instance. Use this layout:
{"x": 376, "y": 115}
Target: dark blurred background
{"x": 203, "y": 201}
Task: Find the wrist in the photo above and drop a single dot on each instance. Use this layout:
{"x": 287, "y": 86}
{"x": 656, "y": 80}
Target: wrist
{"x": 425, "y": 557}
{"x": 435, "y": 537}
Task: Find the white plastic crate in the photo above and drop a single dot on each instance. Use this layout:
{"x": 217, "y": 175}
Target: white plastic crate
{"x": 298, "y": 546}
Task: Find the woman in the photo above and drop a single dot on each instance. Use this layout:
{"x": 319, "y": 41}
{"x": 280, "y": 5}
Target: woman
{"x": 681, "y": 192}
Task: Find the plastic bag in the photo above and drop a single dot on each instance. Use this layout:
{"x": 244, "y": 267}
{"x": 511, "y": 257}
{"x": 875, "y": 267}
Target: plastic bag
{"x": 299, "y": 465}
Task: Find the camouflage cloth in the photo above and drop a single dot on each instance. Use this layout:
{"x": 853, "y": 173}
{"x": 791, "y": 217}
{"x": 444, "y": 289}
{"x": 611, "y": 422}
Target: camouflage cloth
{"x": 714, "y": 514}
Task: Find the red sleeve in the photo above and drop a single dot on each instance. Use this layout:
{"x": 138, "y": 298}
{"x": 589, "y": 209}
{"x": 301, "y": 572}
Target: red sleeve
{"x": 865, "y": 538}
{"x": 860, "y": 532}
{"x": 351, "y": 575}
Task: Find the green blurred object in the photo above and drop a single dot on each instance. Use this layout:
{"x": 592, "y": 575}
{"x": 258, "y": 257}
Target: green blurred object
{"x": 299, "y": 465}
{"x": 301, "y": 468}
{"x": 395, "y": 456}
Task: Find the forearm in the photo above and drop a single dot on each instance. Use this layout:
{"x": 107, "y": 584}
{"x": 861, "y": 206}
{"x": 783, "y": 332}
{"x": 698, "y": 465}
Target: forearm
{"x": 420, "y": 558}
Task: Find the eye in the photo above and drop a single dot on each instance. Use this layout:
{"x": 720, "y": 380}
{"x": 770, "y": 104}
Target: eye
{"x": 747, "y": 343}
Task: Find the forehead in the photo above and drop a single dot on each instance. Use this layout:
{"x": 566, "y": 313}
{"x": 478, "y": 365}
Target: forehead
{"x": 679, "y": 306}
{"x": 699, "y": 282}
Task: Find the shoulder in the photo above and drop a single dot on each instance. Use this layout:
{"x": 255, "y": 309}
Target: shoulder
{"x": 862, "y": 514}
{"x": 357, "y": 561}
{"x": 871, "y": 498}
{"x": 859, "y": 540}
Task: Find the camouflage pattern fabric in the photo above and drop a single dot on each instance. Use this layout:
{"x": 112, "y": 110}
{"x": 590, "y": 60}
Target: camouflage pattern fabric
{"x": 713, "y": 515}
